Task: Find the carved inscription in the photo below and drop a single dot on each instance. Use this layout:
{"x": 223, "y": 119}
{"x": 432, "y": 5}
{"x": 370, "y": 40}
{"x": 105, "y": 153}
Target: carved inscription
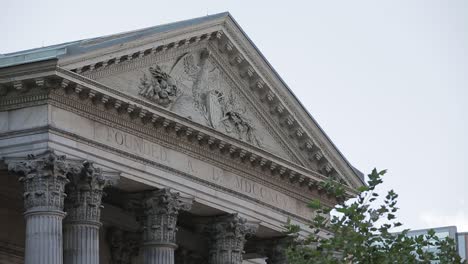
{"x": 197, "y": 168}
{"x": 249, "y": 188}
{"x": 178, "y": 161}
{"x": 130, "y": 142}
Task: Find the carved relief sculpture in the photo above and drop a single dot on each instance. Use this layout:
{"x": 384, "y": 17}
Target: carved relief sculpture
{"x": 192, "y": 86}
{"x": 159, "y": 88}
{"x": 161, "y": 209}
{"x": 85, "y": 193}
{"x": 222, "y": 111}
{"x": 227, "y": 239}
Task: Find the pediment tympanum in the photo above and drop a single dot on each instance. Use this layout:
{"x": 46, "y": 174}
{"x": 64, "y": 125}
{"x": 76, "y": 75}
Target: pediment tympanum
{"x": 193, "y": 85}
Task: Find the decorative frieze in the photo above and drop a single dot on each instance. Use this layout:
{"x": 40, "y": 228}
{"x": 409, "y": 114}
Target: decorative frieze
{"x": 237, "y": 54}
{"x": 227, "y": 237}
{"x": 128, "y": 107}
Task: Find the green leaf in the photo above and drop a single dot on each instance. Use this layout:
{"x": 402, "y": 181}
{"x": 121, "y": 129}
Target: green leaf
{"x": 315, "y": 204}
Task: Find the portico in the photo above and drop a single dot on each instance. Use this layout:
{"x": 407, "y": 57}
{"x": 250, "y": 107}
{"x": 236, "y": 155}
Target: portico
{"x": 176, "y": 144}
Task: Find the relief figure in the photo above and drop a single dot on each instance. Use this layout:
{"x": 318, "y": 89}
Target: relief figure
{"x": 193, "y": 87}
{"x": 160, "y": 88}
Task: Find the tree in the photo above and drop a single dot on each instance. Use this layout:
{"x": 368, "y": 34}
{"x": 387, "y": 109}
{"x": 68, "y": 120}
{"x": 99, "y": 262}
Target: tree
{"x": 359, "y": 232}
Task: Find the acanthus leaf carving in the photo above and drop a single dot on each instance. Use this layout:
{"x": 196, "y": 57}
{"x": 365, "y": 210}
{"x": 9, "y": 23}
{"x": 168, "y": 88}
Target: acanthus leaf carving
{"x": 227, "y": 235}
{"x": 85, "y": 192}
{"x": 44, "y": 178}
{"x": 161, "y": 209}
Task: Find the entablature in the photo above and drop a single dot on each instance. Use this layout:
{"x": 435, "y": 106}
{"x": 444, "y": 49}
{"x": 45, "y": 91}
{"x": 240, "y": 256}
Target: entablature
{"x": 165, "y": 121}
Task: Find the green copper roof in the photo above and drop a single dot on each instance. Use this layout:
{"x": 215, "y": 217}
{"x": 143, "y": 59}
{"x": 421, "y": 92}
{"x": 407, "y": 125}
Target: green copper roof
{"x": 86, "y": 45}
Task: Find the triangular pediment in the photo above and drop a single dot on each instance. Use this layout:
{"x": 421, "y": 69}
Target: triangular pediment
{"x": 194, "y": 84}
{"x": 207, "y": 70}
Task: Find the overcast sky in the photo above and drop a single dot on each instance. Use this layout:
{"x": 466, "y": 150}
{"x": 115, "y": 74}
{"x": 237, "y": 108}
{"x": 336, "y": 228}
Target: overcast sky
{"x": 386, "y": 80}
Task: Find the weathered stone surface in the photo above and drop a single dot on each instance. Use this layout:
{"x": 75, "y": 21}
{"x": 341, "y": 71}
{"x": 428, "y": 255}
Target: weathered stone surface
{"x": 83, "y": 206}
{"x": 161, "y": 209}
{"x": 195, "y": 86}
{"x": 178, "y": 161}
{"x": 44, "y": 177}
{"x": 227, "y": 237}
{"x": 85, "y": 192}
{"x": 24, "y": 118}
{"x": 195, "y": 108}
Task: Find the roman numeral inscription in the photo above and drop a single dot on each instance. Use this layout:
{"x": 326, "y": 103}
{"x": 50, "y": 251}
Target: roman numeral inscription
{"x": 181, "y": 162}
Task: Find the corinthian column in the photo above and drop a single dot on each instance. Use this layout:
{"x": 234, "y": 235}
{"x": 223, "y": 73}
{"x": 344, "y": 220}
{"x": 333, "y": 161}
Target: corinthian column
{"x": 83, "y": 207}
{"x": 161, "y": 209}
{"x": 275, "y": 250}
{"x": 44, "y": 179}
{"x": 227, "y": 239}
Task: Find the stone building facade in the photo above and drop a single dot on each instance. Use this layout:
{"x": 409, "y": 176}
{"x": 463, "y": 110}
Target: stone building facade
{"x": 172, "y": 144}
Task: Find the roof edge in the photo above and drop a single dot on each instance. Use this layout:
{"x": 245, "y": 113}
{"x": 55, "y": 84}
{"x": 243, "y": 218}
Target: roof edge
{"x": 351, "y": 167}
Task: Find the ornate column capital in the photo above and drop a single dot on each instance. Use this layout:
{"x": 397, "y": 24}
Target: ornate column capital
{"x": 227, "y": 238}
{"x": 124, "y": 245}
{"x": 83, "y": 206}
{"x": 231, "y": 226}
{"x": 161, "y": 209}
{"x": 44, "y": 177}
{"x": 85, "y": 191}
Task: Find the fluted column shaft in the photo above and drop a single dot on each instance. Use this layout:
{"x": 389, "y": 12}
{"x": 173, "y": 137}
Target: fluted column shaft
{"x": 44, "y": 237}
{"x": 81, "y": 243}
{"x": 83, "y": 205}
{"x": 158, "y": 254}
{"x": 227, "y": 238}
{"x": 44, "y": 180}
{"x": 161, "y": 209}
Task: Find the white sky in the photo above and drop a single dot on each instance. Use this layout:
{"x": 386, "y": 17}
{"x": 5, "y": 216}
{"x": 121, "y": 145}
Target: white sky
{"x": 386, "y": 80}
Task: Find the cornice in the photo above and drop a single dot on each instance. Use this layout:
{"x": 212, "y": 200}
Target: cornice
{"x": 235, "y": 80}
{"x": 268, "y": 88}
{"x": 292, "y": 115}
{"x": 148, "y": 45}
{"x": 140, "y": 159}
{"x": 155, "y": 117}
